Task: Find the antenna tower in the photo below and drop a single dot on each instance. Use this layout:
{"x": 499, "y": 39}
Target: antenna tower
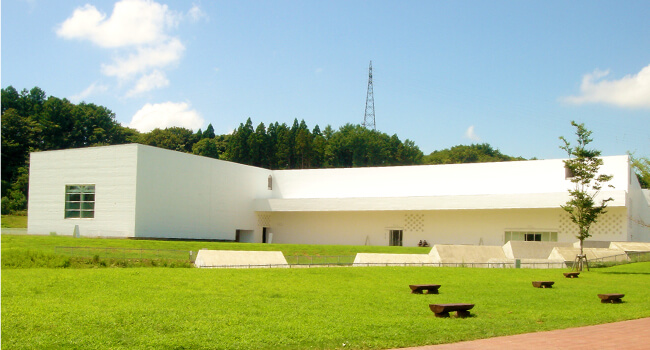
{"x": 369, "y": 117}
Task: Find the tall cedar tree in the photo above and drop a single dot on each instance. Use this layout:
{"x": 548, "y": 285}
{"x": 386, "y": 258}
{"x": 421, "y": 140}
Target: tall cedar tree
{"x": 582, "y": 169}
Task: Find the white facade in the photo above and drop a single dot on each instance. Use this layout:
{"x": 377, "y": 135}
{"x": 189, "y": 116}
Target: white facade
{"x": 143, "y": 191}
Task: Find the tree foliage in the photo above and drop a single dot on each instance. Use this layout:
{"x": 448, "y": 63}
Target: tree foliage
{"x": 31, "y": 121}
{"x": 474, "y": 153}
{"x": 641, "y": 167}
{"x": 582, "y": 166}
{"x": 298, "y": 147}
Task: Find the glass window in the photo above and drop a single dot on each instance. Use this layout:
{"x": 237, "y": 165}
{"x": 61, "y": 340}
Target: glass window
{"x": 530, "y": 236}
{"x": 79, "y": 201}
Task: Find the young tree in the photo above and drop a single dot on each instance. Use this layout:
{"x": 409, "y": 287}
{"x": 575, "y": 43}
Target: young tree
{"x": 582, "y": 167}
{"x": 641, "y": 167}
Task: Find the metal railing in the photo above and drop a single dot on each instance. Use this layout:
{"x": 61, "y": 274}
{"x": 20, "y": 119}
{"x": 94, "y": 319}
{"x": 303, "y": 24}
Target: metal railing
{"x": 326, "y": 261}
{"x": 502, "y": 265}
{"x": 493, "y": 265}
{"x": 620, "y": 259}
{"x": 320, "y": 260}
{"x": 126, "y": 253}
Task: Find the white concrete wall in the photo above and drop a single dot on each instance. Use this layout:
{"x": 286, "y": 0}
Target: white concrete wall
{"x": 524, "y": 177}
{"x": 113, "y": 172}
{"x": 476, "y": 227}
{"x": 611, "y": 226}
{"x": 186, "y": 196}
{"x": 638, "y": 214}
{"x": 145, "y": 191}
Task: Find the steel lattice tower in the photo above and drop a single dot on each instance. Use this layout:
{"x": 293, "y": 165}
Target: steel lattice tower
{"x": 369, "y": 117}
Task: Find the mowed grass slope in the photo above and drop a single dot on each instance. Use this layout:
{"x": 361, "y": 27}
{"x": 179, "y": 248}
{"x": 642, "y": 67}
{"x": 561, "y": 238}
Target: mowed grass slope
{"x": 47, "y": 244}
{"x": 322, "y": 308}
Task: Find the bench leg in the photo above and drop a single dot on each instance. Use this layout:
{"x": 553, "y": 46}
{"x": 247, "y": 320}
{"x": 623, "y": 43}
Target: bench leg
{"x": 612, "y": 301}
{"x": 442, "y": 314}
{"x": 432, "y": 291}
{"x": 416, "y": 291}
{"x": 462, "y": 314}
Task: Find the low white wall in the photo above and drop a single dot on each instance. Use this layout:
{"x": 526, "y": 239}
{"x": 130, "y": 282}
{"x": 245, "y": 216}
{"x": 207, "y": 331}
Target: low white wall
{"x": 233, "y": 258}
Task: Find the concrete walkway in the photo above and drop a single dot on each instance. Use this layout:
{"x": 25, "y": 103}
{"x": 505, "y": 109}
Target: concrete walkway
{"x": 628, "y": 335}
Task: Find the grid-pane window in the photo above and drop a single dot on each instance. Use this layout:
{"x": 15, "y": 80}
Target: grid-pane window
{"x": 79, "y": 201}
{"x": 530, "y": 236}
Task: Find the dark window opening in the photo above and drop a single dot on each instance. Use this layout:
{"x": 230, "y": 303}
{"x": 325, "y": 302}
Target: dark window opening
{"x": 395, "y": 238}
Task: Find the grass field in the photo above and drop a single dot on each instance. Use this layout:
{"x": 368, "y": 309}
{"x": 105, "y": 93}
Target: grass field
{"x": 14, "y": 221}
{"x": 321, "y": 308}
{"x": 41, "y": 251}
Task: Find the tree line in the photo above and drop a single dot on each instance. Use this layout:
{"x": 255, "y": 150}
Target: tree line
{"x": 32, "y": 121}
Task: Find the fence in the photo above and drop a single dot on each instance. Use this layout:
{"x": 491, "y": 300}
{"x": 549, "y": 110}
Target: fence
{"x": 320, "y": 260}
{"x": 334, "y": 261}
{"x": 327, "y": 261}
{"x": 620, "y": 259}
{"x": 493, "y": 265}
{"x": 126, "y": 253}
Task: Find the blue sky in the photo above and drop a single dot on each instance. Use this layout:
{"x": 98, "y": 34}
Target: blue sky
{"x": 509, "y": 73}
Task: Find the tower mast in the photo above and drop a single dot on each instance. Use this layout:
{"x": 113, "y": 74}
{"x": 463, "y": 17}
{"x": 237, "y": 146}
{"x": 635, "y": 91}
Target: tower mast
{"x": 369, "y": 117}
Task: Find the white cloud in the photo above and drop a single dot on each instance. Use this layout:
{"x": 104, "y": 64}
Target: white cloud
{"x": 631, "y": 91}
{"x": 195, "y": 13}
{"x": 133, "y": 22}
{"x": 164, "y": 115}
{"x": 94, "y": 88}
{"x": 145, "y": 58}
{"x": 470, "y": 134}
{"x": 138, "y": 34}
{"x": 155, "y": 80}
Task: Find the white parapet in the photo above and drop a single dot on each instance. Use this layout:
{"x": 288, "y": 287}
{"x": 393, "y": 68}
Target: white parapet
{"x": 239, "y": 259}
{"x": 468, "y": 254}
{"x": 568, "y": 254}
{"x": 631, "y": 246}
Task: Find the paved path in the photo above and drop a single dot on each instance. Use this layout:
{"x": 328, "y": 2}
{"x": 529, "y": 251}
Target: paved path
{"x": 628, "y": 335}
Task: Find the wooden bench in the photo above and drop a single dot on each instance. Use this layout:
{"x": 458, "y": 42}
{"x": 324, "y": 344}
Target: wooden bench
{"x": 571, "y": 274}
{"x": 543, "y": 284}
{"x": 420, "y": 288}
{"x": 443, "y": 310}
{"x": 611, "y": 298}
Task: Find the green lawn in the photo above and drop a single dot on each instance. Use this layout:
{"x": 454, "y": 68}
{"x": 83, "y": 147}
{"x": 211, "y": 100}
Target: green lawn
{"x": 14, "y": 221}
{"x": 26, "y": 246}
{"x": 322, "y": 308}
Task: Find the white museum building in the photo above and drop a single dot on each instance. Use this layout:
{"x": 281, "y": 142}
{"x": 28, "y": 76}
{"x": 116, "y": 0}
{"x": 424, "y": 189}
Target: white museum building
{"x": 146, "y": 192}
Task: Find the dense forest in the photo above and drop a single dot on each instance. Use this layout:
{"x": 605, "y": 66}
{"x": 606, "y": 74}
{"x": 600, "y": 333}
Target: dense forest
{"x": 32, "y": 121}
